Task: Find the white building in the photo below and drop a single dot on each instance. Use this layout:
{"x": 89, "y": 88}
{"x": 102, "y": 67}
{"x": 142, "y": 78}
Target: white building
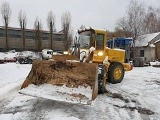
{"x": 145, "y": 47}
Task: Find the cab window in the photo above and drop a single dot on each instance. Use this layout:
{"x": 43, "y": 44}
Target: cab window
{"x": 100, "y": 42}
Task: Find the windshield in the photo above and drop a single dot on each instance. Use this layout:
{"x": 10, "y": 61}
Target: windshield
{"x": 50, "y": 52}
{"x": 85, "y": 39}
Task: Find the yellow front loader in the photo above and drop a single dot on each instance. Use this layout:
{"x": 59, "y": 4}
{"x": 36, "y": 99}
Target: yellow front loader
{"x": 81, "y": 75}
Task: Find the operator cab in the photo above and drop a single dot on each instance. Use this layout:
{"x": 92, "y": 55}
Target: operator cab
{"x": 91, "y": 38}
{"x": 91, "y": 41}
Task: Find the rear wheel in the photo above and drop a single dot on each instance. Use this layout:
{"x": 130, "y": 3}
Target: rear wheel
{"x": 116, "y": 73}
{"x": 101, "y": 79}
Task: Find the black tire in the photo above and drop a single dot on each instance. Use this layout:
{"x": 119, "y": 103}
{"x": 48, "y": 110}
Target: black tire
{"x": 21, "y": 60}
{"x": 115, "y": 73}
{"x": 102, "y": 80}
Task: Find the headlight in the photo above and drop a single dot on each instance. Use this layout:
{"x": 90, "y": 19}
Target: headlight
{"x": 65, "y": 52}
{"x": 100, "y": 53}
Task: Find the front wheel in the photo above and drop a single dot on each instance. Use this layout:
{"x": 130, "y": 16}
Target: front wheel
{"x": 101, "y": 79}
{"x": 115, "y": 73}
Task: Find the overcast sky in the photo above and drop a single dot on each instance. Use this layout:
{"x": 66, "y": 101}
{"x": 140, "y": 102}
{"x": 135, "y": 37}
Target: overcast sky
{"x": 95, "y": 13}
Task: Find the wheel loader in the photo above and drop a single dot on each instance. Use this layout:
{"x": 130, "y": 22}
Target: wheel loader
{"x": 80, "y": 76}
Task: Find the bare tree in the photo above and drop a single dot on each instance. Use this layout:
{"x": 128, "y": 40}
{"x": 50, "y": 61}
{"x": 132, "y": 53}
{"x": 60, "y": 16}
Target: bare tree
{"x": 109, "y": 34}
{"x": 158, "y": 19}
{"x": 38, "y": 34}
{"x": 70, "y": 37}
{"x": 66, "y": 22}
{"x": 133, "y": 22}
{"x": 140, "y": 21}
{"x": 119, "y": 32}
{"x": 22, "y": 23}
{"x": 6, "y": 13}
{"x": 158, "y": 11}
{"x": 152, "y": 20}
{"x": 123, "y": 23}
{"x": 51, "y": 26}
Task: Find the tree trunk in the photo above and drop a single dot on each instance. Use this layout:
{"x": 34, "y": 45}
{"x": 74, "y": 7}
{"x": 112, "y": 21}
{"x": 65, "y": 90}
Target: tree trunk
{"x": 6, "y": 34}
{"x": 23, "y": 32}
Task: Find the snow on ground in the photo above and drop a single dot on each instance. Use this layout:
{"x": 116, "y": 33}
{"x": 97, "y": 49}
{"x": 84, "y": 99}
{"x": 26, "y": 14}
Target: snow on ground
{"x": 137, "y": 97}
{"x": 11, "y": 74}
{"x": 60, "y": 93}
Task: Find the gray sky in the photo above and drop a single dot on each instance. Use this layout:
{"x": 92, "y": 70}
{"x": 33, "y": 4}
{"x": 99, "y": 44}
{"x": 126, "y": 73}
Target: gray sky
{"x": 95, "y": 13}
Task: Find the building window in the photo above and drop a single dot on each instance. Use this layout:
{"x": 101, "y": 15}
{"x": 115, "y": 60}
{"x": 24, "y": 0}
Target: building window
{"x": 141, "y": 53}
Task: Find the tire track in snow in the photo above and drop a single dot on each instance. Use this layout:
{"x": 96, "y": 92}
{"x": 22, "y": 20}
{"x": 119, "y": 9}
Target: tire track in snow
{"x": 7, "y": 96}
{"x": 132, "y": 103}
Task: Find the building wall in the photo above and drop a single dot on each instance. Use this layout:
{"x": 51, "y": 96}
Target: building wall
{"x": 157, "y": 50}
{"x": 149, "y": 53}
{"x": 15, "y": 40}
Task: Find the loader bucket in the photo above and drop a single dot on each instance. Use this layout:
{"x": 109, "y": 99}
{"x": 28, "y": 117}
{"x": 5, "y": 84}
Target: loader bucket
{"x": 64, "y": 57}
{"x": 72, "y": 82}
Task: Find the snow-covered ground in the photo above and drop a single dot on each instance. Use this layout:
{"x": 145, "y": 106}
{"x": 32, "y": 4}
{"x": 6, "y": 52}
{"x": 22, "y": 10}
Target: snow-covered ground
{"x": 137, "y": 97}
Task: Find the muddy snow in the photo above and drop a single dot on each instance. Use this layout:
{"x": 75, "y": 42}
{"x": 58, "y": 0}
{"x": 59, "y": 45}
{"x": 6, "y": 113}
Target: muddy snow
{"x": 137, "y": 97}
